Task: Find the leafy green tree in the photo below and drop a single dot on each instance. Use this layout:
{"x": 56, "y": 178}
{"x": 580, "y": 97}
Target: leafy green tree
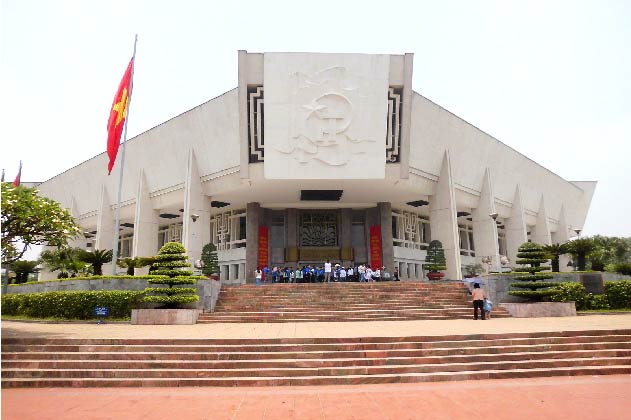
{"x": 132, "y": 263}
{"x": 22, "y": 270}
{"x": 96, "y": 259}
{"x": 533, "y": 255}
{"x": 553, "y": 252}
{"x": 209, "y": 258}
{"x": 28, "y": 219}
{"x": 171, "y": 261}
{"x": 581, "y": 248}
{"x": 65, "y": 260}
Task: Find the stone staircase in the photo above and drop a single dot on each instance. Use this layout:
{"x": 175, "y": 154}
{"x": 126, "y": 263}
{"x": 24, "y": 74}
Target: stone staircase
{"x": 387, "y": 301}
{"x": 58, "y": 362}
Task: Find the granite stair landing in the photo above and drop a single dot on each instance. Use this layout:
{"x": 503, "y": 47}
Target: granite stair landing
{"x": 58, "y": 362}
{"x": 388, "y": 301}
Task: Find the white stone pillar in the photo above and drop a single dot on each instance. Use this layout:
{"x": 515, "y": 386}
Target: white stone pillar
{"x": 403, "y": 270}
{"x": 560, "y": 236}
{"x": 196, "y": 217}
{"x": 443, "y": 219}
{"x": 541, "y": 232}
{"x": 146, "y": 224}
{"x": 223, "y": 272}
{"x": 484, "y": 226}
{"x": 516, "y": 233}
{"x": 105, "y": 226}
{"x": 412, "y": 270}
{"x": 79, "y": 241}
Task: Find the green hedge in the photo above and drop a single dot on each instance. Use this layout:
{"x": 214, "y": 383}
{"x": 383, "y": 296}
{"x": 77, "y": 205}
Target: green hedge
{"x": 619, "y": 293}
{"x": 71, "y": 304}
{"x": 94, "y": 278}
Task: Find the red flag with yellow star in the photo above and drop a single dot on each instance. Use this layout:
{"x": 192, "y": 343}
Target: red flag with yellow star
{"x": 118, "y": 113}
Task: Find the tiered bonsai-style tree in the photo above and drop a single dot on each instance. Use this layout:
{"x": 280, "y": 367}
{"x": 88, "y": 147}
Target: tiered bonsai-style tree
{"x": 436, "y": 260}
{"x": 171, "y": 261}
{"x": 532, "y": 254}
{"x": 209, "y": 259}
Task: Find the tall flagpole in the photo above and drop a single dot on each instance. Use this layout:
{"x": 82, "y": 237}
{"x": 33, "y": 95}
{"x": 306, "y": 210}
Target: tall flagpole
{"x": 120, "y": 179}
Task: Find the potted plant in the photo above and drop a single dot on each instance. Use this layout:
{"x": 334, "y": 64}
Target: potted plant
{"x": 435, "y": 260}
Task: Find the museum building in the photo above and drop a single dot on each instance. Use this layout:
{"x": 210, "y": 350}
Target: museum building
{"x": 318, "y": 157}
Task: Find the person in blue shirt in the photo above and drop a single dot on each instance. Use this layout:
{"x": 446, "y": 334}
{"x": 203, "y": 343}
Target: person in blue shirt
{"x": 265, "y": 274}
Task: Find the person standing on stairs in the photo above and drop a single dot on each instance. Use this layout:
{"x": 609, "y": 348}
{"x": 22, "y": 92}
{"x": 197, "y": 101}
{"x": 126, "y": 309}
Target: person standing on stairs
{"x": 478, "y": 296}
{"x": 327, "y": 271}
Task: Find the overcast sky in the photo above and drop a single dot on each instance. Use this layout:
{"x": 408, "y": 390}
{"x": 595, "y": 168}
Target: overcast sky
{"x": 552, "y": 79}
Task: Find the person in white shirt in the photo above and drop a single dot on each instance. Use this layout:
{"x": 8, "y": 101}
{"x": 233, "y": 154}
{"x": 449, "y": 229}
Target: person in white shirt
{"x": 258, "y": 274}
{"x": 327, "y": 271}
{"x": 368, "y": 274}
{"x": 342, "y": 274}
{"x": 361, "y": 270}
{"x": 349, "y": 274}
{"x": 376, "y": 275}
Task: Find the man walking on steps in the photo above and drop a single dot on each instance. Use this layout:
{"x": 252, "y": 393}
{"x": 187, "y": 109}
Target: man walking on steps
{"x": 478, "y": 301}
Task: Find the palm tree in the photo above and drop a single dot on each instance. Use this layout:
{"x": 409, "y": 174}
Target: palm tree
{"x": 22, "y": 269}
{"x": 131, "y": 263}
{"x": 97, "y": 258}
{"x": 581, "y": 248}
{"x": 65, "y": 260}
{"x": 553, "y": 252}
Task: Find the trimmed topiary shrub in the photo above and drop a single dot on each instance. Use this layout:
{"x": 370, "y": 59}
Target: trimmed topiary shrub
{"x": 210, "y": 260}
{"x": 435, "y": 256}
{"x": 532, "y": 254}
{"x": 78, "y": 304}
{"x": 618, "y": 293}
{"x": 172, "y": 262}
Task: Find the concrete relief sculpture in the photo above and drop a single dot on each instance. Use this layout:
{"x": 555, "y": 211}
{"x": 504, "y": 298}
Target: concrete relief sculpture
{"x": 326, "y": 116}
{"x": 321, "y": 127}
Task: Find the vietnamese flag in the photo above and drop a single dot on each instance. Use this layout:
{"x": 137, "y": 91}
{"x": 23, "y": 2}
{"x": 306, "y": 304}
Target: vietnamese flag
{"x": 16, "y": 182}
{"x": 118, "y": 113}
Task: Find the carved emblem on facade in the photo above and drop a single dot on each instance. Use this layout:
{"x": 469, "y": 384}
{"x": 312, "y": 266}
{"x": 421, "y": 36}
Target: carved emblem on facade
{"x": 322, "y": 127}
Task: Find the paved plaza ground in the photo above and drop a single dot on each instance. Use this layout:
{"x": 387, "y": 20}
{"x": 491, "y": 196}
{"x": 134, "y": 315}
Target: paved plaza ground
{"x": 576, "y": 398}
{"x": 317, "y": 329}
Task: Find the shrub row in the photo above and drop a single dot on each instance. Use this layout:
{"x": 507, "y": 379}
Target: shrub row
{"x": 94, "y": 278}
{"x": 71, "y": 304}
{"x": 617, "y": 295}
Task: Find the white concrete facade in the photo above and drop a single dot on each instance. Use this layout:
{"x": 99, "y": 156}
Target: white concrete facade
{"x": 223, "y": 169}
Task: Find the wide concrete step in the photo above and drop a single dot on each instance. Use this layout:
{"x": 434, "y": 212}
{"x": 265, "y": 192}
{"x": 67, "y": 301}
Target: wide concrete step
{"x": 172, "y": 346}
{"x": 79, "y": 364}
{"x": 255, "y": 355}
{"x": 43, "y": 362}
{"x": 319, "y": 380}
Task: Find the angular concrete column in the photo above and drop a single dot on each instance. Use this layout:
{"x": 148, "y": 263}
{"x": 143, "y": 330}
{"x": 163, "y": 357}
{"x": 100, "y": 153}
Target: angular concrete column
{"x": 105, "y": 226}
{"x": 146, "y": 225}
{"x": 541, "y": 234}
{"x": 484, "y": 227}
{"x": 196, "y": 217}
{"x": 562, "y": 235}
{"x": 387, "y": 246}
{"x": 79, "y": 241}
{"x": 346, "y": 221}
{"x": 515, "y": 228}
{"x": 406, "y": 119}
{"x": 443, "y": 219}
{"x": 291, "y": 240}
{"x": 252, "y": 220}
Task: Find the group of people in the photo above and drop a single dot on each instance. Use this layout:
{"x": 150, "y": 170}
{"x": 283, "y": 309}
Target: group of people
{"x": 325, "y": 273}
